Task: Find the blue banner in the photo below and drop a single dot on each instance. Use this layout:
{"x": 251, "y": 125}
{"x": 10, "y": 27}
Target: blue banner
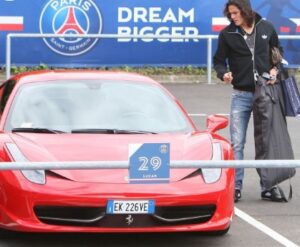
{"x": 171, "y": 17}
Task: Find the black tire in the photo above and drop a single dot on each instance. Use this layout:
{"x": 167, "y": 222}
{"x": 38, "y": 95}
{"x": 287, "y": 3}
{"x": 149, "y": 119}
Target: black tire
{"x": 220, "y": 233}
{"x": 6, "y": 234}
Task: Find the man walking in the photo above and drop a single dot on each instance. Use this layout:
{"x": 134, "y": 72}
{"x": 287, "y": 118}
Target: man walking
{"x": 242, "y": 54}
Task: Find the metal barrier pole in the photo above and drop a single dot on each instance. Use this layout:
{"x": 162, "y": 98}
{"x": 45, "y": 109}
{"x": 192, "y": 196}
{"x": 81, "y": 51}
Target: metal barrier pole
{"x": 117, "y": 36}
{"x": 109, "y": 36}
{"x": 182, "y": 164}
{"x": 209, "y": 59}
{"x": 289, "y": 37}
{"x": 8, "y": 56}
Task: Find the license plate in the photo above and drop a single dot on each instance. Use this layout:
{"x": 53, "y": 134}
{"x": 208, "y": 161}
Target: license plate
{"x": 130, "y": 207}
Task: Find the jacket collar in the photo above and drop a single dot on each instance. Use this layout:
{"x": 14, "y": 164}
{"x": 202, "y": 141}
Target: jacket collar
{"x": 234, "y": 28}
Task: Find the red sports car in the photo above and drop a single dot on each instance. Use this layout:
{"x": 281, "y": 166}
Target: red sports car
{"x": 52, "y": 116}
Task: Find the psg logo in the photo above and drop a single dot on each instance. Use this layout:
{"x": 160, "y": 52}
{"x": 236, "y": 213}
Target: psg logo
{"x": 70, "y": 17}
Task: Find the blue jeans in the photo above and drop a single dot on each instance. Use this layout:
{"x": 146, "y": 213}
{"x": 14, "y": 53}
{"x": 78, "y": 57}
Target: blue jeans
{"x": 240, "y": 113}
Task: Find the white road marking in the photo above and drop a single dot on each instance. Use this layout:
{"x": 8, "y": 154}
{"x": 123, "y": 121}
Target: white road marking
{"x": 265, "y": 229}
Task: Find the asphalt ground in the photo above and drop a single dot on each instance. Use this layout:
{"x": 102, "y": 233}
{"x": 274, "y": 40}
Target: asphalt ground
{"x": 256, "y": 223}
{"x": 283, "y": 218}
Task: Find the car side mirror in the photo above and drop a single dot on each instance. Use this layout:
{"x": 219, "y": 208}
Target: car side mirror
{"x": 216, "y": 122}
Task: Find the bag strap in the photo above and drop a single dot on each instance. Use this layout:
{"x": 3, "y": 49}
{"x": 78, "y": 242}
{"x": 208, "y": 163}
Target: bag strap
{"x": 284, "y": 73}
{"x": 283, "y": 195}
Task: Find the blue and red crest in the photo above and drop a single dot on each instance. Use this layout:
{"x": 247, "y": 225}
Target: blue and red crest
{"x": 70, "y": 17}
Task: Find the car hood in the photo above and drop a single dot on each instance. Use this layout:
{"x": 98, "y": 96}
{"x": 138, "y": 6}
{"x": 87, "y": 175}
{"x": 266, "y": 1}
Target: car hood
{"x": 103, "y": 147}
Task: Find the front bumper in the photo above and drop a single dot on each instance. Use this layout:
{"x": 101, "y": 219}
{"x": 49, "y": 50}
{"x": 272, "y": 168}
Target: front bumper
{"x": 21, "y": 205}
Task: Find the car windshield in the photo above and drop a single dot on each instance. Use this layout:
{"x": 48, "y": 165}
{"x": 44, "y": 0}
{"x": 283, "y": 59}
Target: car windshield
{"x": 95, "y": 107}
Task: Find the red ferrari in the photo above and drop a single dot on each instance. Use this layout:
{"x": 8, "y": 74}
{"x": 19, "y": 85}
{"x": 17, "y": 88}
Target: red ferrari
{"x": 52, "y": 116}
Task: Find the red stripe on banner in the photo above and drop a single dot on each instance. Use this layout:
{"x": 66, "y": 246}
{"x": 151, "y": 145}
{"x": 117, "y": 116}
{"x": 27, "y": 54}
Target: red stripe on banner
{"x": 218, "y": 28}
{"x": 285, "y": 29}
{"x": 298, "y": 29}
{"x": 11, "y": 27}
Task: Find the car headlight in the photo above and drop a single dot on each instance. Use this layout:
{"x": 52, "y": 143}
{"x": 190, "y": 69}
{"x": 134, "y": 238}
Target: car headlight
{"x": 212, "y": 175}
{"x": 34, "y": 176}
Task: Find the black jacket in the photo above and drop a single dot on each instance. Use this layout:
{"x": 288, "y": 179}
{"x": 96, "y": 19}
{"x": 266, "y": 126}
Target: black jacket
{"x": 233, "y": 50}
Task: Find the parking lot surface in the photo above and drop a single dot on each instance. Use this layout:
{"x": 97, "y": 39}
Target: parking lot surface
{"x": 268, "y": 224}
{"x": 283, "y": 218}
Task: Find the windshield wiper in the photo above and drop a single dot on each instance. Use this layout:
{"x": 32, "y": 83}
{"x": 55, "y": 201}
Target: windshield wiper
{"x": 111, "y": 131}
{"x": 37, "y": 130}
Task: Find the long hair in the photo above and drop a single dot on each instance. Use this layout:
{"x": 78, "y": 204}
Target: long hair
{"x": 246, "y": 11}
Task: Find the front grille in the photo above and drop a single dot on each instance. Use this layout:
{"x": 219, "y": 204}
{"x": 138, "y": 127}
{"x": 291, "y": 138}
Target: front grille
{"x": 184, "y": 214}
{"x": 78, "y": 216}
{"x": 97, "y": 217}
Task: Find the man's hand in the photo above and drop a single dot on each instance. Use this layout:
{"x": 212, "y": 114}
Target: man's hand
{"x": 227, "y": 77}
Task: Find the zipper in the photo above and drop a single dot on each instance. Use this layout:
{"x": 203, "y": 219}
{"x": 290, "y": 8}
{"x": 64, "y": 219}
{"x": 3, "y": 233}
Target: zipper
{"x": 255, "y": 74}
